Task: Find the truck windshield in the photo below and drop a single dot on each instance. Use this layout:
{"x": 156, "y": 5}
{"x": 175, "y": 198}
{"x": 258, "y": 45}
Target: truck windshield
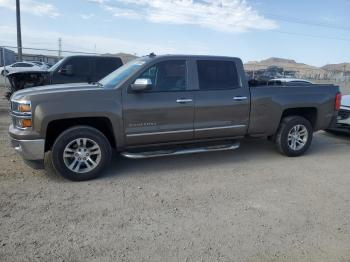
{"x": 53, "y": 68}
{"x": 122, "y": 73}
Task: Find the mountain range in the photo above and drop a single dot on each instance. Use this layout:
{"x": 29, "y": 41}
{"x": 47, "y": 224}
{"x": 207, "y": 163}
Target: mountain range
{"x": 330, "y": 71}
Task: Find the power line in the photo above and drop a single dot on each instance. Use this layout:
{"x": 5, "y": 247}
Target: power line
{"x": 312, "y": 36}
{"x": 296, "y": 20}
{"x": 52, "y": 50}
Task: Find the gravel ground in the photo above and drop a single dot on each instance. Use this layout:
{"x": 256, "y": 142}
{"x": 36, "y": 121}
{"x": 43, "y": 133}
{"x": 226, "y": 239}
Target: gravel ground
{"x": 251, "y": 204}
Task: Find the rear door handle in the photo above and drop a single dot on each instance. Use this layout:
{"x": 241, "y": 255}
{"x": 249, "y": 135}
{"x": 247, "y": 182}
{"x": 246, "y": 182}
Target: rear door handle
{"x": 240, "y": 98}
{"x": 183, "y": 101}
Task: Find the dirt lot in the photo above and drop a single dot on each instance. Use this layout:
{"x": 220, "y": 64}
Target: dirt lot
{"x": 247, "y": 205}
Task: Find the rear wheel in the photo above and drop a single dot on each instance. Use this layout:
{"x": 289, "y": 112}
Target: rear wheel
{"x": 81, "y": 153}
{"x": 294, "y": 136}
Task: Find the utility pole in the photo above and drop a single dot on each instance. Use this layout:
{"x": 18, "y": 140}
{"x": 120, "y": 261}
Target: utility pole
{"x": 59, "y": 48}
{"x": 19, "y": 35}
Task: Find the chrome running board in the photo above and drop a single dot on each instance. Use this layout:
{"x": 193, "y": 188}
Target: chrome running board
{"x": 175, "y": 152}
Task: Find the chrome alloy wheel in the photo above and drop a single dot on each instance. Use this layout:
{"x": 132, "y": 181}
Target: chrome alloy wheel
{"x": 297, "y": 137}
{"x": 82, "y": 155}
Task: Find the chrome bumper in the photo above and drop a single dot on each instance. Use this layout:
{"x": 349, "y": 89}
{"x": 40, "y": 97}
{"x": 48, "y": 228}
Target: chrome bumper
{"x": 344, "y": 122}
{"x": 29, "y": 149}
{"x": 344, "y": 116}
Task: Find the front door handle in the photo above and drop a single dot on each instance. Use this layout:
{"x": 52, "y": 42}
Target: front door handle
{"x": 183, "y": 101}
{"x": 240, "y": 98}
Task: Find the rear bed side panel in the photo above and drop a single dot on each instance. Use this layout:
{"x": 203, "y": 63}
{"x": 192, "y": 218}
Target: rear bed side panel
{"x": 269, "y": 103}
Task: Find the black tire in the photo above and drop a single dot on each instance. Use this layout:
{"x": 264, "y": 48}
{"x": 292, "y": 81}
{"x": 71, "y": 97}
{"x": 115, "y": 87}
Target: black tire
{"x": 4, "y": 72}
{"x": 69, "y": 137}
{"x": 286, "y": 126}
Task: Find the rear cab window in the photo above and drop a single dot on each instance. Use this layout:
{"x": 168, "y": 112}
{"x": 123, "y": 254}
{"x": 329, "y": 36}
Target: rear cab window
{"x": 217, "y": 75}
{"x": 106, "y": 65}
{"x": 81, "y": 65}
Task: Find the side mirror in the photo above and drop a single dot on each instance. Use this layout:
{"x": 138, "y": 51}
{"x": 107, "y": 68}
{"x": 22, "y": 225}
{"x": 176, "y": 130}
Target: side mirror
{"x": 141, "y": 84}
{"x": 67, "y": 70}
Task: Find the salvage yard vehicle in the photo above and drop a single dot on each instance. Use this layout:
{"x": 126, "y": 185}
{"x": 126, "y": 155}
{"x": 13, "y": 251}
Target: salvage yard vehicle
{"x": 41, "y": 64}
{"x": 343, "y": 120}
{"x": 20, "y": 67}
{"x": 288, "y": 81}
{"x": 160, "y": 106}
{"x": 71, "y": 69}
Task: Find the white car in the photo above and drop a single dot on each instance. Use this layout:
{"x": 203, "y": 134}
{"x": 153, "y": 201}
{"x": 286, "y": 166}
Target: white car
{"x": 20, "y": 66}
{"x": 343, "y": 120}
{"x": 43, "y": 65}
{"x": 288, "y": 81}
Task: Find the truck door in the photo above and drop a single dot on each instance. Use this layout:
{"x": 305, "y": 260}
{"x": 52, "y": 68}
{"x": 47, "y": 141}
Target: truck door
{"x": 222, "y": 102}
{"x": 74, "y": 70}
{"x": 164, "y": 113}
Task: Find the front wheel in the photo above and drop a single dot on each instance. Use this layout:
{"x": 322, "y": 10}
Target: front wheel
{"x": 81, "y": 153}
{"x": 294, "y": 136}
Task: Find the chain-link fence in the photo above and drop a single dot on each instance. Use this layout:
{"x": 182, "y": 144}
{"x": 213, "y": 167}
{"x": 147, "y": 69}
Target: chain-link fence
{"x": 268, "y": 69}
{"x": 41, "y": 58}
{"x": 8, "y": 56}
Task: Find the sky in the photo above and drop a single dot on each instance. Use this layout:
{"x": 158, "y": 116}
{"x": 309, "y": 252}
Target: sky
{"x": 313, "y": 32}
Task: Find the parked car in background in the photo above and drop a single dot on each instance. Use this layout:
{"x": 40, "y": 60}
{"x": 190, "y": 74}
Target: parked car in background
{"x": 160, "y": 106}
{"x": 288, "y": 81}
{"x": 71, "y": 69}
{"x": 43, "y": 65}
{"x": 343, "y": 121}
{"x": 20, "y": 67}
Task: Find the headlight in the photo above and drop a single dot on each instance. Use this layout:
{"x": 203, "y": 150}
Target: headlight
{"x": 22, "y": 122}
{"x": 21, "y": 114}
{"x": 21, "y": 107}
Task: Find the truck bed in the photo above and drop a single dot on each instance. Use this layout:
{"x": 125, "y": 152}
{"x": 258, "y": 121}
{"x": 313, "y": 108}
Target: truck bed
{"x": 269, "y": 102}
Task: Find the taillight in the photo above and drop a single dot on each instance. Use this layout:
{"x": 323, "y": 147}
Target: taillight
{"x": 338, "y": 102}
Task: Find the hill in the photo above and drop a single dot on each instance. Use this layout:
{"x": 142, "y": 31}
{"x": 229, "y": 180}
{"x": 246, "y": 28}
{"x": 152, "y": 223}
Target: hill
{"x": 287, "y": 67}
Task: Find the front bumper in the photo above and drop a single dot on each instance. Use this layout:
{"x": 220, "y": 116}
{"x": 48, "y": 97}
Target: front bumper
{"x": 342, "y": 122}
{"x": 344, "y": 117}
{"x": 29, "y": 149}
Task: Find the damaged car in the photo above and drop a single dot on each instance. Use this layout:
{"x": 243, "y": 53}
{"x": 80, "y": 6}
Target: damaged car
{"x": 71, "y": 69}
{"x": 343, "y": 120}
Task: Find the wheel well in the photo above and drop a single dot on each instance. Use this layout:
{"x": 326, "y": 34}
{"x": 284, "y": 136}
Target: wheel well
{"x": 56, "y": 127}
{"x": 308, "y": 113}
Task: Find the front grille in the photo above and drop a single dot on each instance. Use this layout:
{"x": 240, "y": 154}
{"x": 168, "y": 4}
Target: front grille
{"x": 344, "y": 114}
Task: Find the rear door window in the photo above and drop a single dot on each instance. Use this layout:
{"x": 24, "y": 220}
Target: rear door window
{"x": 22, "y": 65}
{"x": 217, "y": 75}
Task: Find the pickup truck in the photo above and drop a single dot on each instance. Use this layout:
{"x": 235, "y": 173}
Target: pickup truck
{"x": 71, "y": 69}
{"x": 164, "y": 105}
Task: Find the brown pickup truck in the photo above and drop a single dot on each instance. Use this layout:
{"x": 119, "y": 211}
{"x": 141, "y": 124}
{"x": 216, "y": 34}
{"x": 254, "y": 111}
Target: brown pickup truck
{"x": 164, "y": 105}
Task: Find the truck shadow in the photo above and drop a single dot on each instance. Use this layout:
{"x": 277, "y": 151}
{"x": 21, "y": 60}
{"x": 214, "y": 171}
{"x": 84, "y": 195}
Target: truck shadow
{"x": 251, "y": 151}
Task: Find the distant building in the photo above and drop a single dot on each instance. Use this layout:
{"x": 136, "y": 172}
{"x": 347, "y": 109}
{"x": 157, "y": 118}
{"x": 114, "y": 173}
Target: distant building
{"x": 7, "y": 56}
{"x": 50, "y": 59}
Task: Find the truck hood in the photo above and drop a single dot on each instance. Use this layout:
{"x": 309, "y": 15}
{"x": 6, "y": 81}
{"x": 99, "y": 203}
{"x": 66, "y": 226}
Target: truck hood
{"x": 49, "y": 89}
